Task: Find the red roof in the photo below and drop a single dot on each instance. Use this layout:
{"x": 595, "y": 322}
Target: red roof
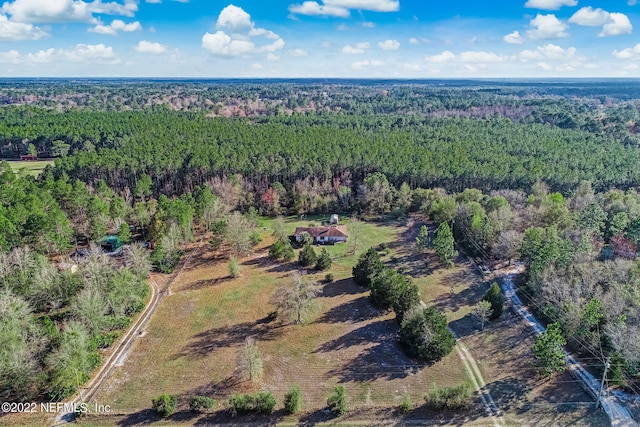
{"x": 316, "y": 232}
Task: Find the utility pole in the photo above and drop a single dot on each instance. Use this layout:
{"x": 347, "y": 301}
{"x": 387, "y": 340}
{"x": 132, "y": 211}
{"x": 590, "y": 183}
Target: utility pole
{"x": 607, "y": 364}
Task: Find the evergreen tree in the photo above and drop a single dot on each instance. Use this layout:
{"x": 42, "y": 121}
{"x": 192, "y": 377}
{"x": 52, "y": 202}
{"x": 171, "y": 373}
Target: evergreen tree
{"x": 165, "y": 405}
{"x": 495, "y": 298}
{"x": 337, "y": 401}
{"x": 424, "y": 334}
{"x": 293, "y": 400}
{"x": 307, "y": 256}
{"x": 443, "y": 243}
{"x": 368, "y": 266}
{"x": 423, "y": 240}
{"x": 324, "y": 260}
{"x": 124, "y": 233}
{"x": 548, "y": 350}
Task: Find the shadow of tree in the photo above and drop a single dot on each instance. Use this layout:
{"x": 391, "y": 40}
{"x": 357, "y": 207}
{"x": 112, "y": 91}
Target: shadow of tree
{"x": 384, "y": 359}
{"x": 357, "y": 310}
{"x": 205, "y": 283}
{"x": 509, "y": 393}
{"x": 342, "y": 287}
{"x": 383, "y": 330}
{"x": 467, "y": 297}
{"x": 141, "y": 418}
{"x": 209, "y": 341}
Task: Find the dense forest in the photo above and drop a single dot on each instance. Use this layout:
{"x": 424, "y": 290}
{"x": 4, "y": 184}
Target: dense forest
{"x": 546, "y": 173}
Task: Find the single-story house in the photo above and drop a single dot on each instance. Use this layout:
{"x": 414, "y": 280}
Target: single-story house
{"x": 330, "y": 234}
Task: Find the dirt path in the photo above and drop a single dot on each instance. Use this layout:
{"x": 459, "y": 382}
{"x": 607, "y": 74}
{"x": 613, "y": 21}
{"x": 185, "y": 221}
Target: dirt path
{"x": 89, "y": 390}
{"x": 470, "y": 364}
{"x": 473, "y": 371}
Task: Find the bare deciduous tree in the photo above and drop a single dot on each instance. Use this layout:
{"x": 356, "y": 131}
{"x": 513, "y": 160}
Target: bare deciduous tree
{"x": 355, "y": 235}
{"x": 507, "y": 245}
{"x": 296, "y": 298}
{"x": 239, "y": 231}
{"x": 483, "y": 312}
{"x": 250, "y": 360}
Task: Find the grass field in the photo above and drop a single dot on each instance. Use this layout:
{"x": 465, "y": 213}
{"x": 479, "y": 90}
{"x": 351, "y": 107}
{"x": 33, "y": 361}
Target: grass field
{"x": 192, "y": 344}
{"x": 29, "y": 168}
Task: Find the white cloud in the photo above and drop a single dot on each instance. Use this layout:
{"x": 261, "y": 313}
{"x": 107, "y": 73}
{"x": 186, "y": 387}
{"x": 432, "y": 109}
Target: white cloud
{"x": 313, "y": 8}
{"x": 513, "y": 38}
{"x": 298, "y": 53}
{"x": 467, "y": 57}
{"x": 590, "y": 17}
{"x": 628, "y": 53}
{"x": 61, "y": 11}
{"x": 480, "y": 57}
{"x": 95, "y": 54}
{"x": 413, "y": 40}
{"x": 445, "y": 56}
{"x": 357, "y": 49}
{"x": 549, "y": 51}
{"x": 115, "y": 26}
{"x": 369, "y": 24}
{"x": 272, "y": 57}
{"x": 153, "y": 1}
{"x": 82, "y": 53}
{"x": 43, "y": 56}
{"x": 145, "y": 46}
{"x": 632, "y": 2}
{"x": 544, "y": 66}
{"x": 10, "y": 57}
{"x": 613, "y": 24}
{"x": 358, "y": 65}
{"x": 341, "y": 8}
{"x": 242, "y": 29}
{"x": 222, "y": 44}
{"x": 11, "y": 31}
{"x": 619, "y": 25}
{"x": 547, "y": 27}
{"x": 257, "y": 66}
{"x": 389, "y": 45}
{"x": 234, "y": 19}
{"x": 549, "y": 4}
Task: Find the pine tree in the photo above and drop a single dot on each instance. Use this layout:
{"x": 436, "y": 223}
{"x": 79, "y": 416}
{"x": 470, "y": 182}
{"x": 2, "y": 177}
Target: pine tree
{"x": 307, "y": 256}
{"x": 423, "y": 238}
{"x": 443, "y": 243}
{"x": 324, "y": 260}
{"x": 548, "y": 350}
{"x": 495, "y": 298}
{"x": 124, "y": 233}
{"x": 368, "y": 266}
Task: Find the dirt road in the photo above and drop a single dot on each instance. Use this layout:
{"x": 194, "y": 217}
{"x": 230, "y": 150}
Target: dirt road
{"x": 618, "y": 414}
{"x": 89, "y": 390}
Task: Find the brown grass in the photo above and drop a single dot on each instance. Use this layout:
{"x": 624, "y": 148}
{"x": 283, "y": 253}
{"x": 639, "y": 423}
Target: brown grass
{"x": 192, "y": 343}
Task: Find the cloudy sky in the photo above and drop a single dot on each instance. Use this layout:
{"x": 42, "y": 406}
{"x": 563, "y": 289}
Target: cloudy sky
{"x": 320, "y": 38}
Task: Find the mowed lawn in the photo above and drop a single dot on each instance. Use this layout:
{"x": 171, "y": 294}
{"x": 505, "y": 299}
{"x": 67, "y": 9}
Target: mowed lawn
{"x": 29, "y": 168}
{"x": 192, "y": 344}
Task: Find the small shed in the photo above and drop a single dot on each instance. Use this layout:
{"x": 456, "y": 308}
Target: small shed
{"x": 110, "y": 243}
{"x": 28, "y": 157}
{"x": 334, "y": 219}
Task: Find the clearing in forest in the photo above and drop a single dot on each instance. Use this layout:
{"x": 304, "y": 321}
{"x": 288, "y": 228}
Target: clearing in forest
{"x": 193, "y": 342}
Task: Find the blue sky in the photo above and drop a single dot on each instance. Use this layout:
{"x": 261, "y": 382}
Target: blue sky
{"x": 320, "y": 38}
